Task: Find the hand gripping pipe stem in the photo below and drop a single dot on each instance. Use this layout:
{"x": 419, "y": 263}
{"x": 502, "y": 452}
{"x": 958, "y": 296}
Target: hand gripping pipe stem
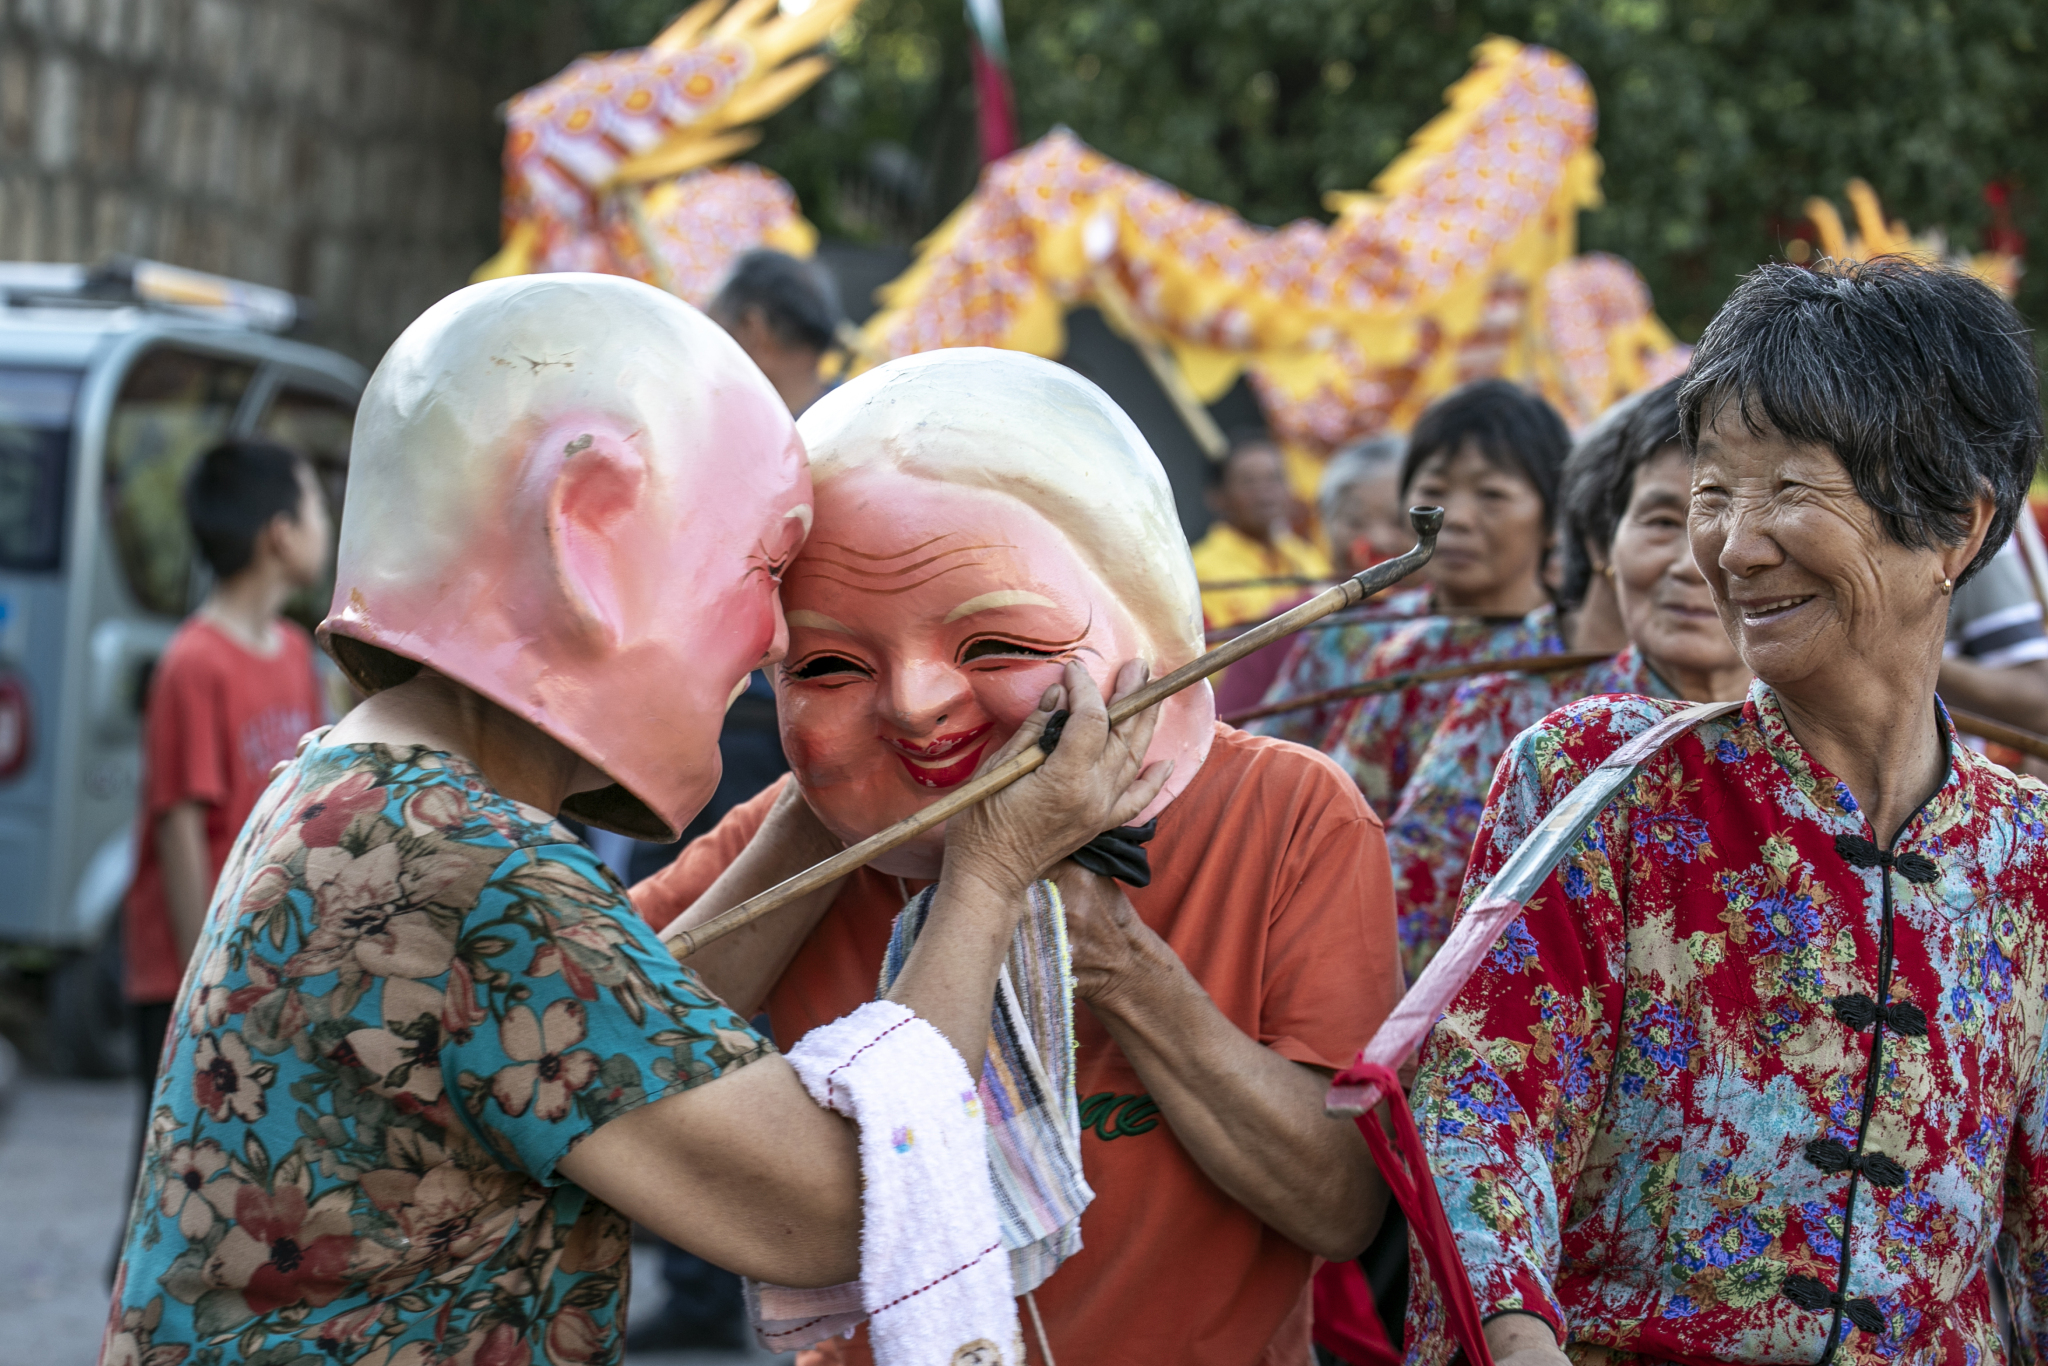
{"x": 1349, "y": 593}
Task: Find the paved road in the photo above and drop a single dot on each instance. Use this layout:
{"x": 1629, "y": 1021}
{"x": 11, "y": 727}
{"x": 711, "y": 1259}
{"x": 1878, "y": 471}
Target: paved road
{"x": 64, "y": 1156}
{"x": 647, "y": 1300}
{"x": 64, "y": 1150}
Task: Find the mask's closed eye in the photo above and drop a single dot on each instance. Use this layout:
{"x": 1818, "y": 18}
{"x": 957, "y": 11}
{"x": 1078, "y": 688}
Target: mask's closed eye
{"x": 820, "y": 666}
{"x": 992, "y": 647}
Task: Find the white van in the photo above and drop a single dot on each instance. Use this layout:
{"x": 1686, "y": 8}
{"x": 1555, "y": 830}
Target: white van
{"x": 112, "y": 381}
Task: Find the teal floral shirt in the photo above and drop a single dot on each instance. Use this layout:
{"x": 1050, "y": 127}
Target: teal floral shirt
{"x": 413, "y": 997}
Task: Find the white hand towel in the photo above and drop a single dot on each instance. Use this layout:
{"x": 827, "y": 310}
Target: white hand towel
{"x": 935, "y": 1278}
{"x": 1027, "y": 1085}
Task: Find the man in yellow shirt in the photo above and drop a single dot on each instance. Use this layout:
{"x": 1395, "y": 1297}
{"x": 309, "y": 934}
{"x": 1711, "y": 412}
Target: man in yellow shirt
{"x": 1251, "y": 538}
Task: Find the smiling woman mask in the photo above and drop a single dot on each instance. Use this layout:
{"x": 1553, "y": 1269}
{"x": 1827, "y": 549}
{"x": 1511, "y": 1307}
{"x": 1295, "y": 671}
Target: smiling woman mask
{"x": 961, "y": 552}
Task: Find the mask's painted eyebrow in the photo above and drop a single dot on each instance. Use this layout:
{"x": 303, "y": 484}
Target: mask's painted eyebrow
{"x": 1034, "y": 644}
{"x": 819, "y": 563}
{"x": 817, "y": 621}
{"x": 890, "y": 555}
{"x": 1005, "y": 597}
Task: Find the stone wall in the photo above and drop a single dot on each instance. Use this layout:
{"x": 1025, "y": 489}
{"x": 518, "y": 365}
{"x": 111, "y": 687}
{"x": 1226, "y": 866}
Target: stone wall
{"x": 345, "y": 150}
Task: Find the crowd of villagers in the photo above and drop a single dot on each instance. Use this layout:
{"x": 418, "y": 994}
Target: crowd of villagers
{"x": 1757, "y": 1077}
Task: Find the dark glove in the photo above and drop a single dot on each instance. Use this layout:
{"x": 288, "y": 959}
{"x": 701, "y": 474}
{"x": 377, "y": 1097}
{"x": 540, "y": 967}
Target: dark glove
{"x": 1120, "y": 853}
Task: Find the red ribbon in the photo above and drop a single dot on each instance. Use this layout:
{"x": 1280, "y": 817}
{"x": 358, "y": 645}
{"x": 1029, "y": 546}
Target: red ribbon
{"x": 1405, "y": 1168}
{"x": 1345, "y": 1319}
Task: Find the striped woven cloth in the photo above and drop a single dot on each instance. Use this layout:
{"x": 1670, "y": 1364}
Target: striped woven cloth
{"x": 1027, "y": 1086}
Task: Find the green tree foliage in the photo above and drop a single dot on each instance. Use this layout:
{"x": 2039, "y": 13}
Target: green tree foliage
{"x": 1718, "y": 118}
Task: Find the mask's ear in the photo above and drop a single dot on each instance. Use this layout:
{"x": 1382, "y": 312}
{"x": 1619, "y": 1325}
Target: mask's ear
{"x": 596, "y": 487}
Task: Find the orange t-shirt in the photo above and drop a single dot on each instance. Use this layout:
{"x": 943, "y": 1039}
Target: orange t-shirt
{"x": 219, "y": 718}
{"x": 1270, "y": 880}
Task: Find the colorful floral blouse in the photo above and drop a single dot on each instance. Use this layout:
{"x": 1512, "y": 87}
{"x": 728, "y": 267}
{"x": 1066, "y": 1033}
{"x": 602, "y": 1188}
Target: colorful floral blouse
{"x": 1430, "y": 835}
{"x": 1377, "y": 740}
{"x": 1741, "y": 1086}
{"x": 1323, "y": 658}
{"x": 414, "y": 996}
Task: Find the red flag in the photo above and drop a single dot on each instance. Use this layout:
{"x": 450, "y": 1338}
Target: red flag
{"x": 989, "y": 50}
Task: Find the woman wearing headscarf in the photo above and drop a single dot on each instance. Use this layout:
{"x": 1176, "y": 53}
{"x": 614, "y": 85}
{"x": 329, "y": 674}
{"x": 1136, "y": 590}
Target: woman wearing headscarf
{"x": 1625, "y": 496}
{"x": 1758, "y": 1077}
{"x": 982, "y": 516}
{"x": 1487, "y": 454}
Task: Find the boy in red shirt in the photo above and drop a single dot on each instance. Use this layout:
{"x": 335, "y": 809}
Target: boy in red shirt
{"x": 229, "y": 699}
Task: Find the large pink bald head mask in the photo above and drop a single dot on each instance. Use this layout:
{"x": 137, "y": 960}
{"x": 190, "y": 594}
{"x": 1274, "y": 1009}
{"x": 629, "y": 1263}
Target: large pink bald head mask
{"x": 982, "y": 516}
{"x": 574, "y": 494}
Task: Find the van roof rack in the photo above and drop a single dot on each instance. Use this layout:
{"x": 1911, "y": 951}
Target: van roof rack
{"x": 129, "y": 282}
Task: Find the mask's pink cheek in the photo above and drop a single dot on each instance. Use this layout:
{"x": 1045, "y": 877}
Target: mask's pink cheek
{"x": 829, "y": 733}
{"x": 1011, "y": 694}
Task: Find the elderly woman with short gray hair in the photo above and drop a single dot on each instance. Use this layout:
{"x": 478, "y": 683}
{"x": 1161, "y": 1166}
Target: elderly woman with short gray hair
{"x": 1758, "y": 1077}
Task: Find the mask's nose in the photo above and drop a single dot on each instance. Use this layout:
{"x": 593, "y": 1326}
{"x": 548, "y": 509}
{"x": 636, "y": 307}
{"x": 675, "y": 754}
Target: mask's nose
{"x": 923, "y": 695}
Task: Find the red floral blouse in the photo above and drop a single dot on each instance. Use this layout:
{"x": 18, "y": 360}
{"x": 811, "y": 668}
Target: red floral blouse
{"x": 1741, "y": 1086}
{"x": 1329, "y": 655}
{"x": 1430, "y": 835}
{"x": 1378, "y": 739}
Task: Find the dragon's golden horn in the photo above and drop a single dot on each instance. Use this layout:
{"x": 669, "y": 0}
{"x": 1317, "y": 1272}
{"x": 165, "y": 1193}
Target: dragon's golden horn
{"x": 1877, "y": 234}
{"x": 685, "y": 31}
{"x": 758, "y": 99}
{"x": 732, "y": 26}
{"x": 793, "y": 33}
{"x": 1834, "y": 241}
{"x": 687, "y": 150}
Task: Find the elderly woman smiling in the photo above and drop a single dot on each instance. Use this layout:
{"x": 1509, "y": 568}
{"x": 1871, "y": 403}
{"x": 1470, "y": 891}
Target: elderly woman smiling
{"x": 1758, "y": 1077}
{"x": 1625, "y": 494}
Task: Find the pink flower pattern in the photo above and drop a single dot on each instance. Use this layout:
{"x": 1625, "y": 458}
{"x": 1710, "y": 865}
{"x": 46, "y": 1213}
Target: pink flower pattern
{"x": 548, "y": 1069}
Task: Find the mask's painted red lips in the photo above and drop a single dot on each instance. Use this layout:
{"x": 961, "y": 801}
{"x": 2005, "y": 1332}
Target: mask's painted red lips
{"x": 960, "y": 752}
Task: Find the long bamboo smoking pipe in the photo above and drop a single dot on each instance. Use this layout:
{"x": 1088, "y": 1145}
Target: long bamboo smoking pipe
{"x": 1426, "y": 521}
{"x": 1266, "y": 581}
{"x": 1373, "y": 687}
{"x": 1335, "y": 621}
